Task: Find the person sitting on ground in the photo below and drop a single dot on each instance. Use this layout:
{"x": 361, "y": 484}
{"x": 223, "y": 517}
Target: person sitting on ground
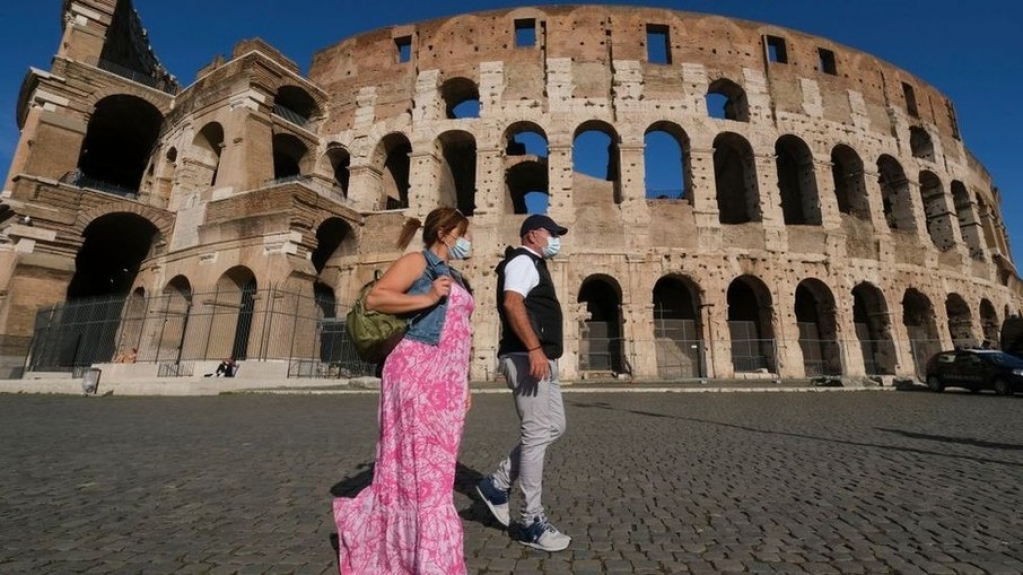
{"x": 226, "y": 367}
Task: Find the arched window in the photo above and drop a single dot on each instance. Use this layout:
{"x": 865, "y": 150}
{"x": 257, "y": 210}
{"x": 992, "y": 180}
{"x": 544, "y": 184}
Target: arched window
{"x": 461, "y": 98}
{"x": 458, "y": 171}
{"x": 526, "y": 178}
{"x": 666, "y": 161}
{"x": 818, "y": 329}
{"x": 918, "y": 317}
{"x": 595, "y": 155}
{"x": 920, "y": 143}
{"x": 898, "y": 209}
{"x": 121, "y": 134}
{"x": 289, "y": 154}
{"x": 295, "y": 105}
{"x": 939, "y": 221}
{"x": 735, "y": 180}
{"x": 797, "y": 182}
{"x": 873, "y": 330}
{"x": 392, "y": 158}
{"x": 850, "y": 183}
{"x": 726, "y": 100}
{"x": 208, "y": 146}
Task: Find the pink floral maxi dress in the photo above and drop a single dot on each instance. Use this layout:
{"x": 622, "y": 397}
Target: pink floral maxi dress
{"x": 405, "y": 523}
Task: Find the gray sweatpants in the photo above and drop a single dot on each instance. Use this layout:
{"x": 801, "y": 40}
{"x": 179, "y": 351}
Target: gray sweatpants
{"x": 542, "y": 417}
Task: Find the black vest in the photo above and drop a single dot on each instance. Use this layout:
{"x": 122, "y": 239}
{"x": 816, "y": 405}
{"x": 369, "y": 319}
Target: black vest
{"x": 542, "y": 307}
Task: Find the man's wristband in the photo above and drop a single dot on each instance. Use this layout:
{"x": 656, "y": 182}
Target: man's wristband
{"x": 535, "y": 348}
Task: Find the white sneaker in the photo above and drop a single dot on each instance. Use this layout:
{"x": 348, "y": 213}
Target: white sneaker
{"x": 543, "y": 536}
{"x": 496, "y": 500}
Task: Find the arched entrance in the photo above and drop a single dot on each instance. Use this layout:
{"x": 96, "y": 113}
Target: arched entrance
{"x": 918, "y": 317}
{"x": 600, "y": 334}
{"x": 234, "y": 307}
{"x": 678, "y": 333}
{"x": 873, "y": 330}
{"x": 818, "y": 332}
{"x": 960, "y": 321}
{"x": 750, "y": 315}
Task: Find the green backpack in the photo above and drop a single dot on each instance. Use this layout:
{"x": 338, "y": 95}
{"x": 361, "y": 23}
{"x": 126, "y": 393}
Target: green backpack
{"x": 374, "y": 334}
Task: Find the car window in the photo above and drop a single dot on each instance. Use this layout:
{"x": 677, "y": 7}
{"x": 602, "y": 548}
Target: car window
{"x": 1002, "y": 359}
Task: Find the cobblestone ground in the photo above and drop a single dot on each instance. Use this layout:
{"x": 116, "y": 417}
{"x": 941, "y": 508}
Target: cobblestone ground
{"x": 654, "y": 483}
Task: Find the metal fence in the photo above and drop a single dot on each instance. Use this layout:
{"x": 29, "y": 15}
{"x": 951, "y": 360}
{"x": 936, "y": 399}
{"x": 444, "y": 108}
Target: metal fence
{"x": 681, "y": 359}
{"x": 175, "y": 330}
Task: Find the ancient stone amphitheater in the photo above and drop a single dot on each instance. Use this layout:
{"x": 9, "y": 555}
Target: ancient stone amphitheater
{"x": 744, "y": 200}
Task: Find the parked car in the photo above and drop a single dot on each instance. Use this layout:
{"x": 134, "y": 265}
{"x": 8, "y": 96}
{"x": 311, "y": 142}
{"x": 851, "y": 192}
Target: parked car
{"x": 976, "y": 369}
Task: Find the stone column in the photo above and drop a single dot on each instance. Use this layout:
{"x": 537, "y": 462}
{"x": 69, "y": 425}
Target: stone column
{"x": 559, "y": 172}
{"x": 635, "y": 214}
{"x": 423, "y": 193}
{"x": 771, "y": 217}
{"x": 703, "y": 196}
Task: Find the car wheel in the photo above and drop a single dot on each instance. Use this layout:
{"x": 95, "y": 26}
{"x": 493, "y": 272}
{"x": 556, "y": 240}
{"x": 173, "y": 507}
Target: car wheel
{"x": 934, "y": 384}
{"x": 1002, "y": 387}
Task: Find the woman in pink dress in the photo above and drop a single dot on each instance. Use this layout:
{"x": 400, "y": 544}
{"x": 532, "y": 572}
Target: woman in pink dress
{"x": 405, "y": 522}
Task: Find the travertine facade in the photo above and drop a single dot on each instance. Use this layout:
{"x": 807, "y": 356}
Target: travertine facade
{"x": 828, "y": 221}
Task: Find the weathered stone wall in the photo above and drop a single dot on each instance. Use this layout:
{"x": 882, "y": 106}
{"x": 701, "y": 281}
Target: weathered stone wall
{"x": 214, "y": 188}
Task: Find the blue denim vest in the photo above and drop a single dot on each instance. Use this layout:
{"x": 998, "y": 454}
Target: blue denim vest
{"x": 427, "y": 325}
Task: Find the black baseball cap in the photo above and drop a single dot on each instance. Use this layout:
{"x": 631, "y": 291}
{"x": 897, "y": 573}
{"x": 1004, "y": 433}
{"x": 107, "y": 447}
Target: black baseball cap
{"x": 538, "y": 221}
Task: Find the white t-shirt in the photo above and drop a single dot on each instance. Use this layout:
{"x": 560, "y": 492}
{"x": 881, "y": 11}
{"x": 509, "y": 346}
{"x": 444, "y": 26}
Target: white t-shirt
{"x": 520, "y": 275}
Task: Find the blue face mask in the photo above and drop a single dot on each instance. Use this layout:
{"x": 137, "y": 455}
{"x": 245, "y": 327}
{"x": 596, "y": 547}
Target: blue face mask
{"x": 461, "y": 250}
{"x": 552, "y": 248}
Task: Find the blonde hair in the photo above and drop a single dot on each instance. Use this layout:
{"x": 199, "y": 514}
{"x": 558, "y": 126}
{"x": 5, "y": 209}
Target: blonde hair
{"x": 438, "y": 222}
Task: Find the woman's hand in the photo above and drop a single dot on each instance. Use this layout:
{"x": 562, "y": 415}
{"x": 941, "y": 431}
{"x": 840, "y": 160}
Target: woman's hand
{"x": 441, "y": 287}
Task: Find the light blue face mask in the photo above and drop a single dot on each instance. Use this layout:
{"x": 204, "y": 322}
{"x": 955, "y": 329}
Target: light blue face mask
{"x": 552, "y": 248}
{"x": 461, "y": 250}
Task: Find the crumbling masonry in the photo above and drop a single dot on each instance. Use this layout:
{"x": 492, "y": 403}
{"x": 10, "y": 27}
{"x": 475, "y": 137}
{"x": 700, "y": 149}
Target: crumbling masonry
{"x": 824, "y": 218}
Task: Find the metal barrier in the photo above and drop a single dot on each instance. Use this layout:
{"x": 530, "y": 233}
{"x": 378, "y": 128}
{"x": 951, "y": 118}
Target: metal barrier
{"x": 177, "y": 330}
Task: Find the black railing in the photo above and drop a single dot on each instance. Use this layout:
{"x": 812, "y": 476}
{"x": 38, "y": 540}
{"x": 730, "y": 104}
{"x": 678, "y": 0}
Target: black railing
{"x": 666, "y": 194}
{"x": 80, "y": 180}
{"x": 136, "y": 76}
{"x": 290, "y": 115}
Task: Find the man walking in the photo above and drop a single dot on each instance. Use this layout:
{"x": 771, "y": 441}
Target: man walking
{"x": 531, "y": 343}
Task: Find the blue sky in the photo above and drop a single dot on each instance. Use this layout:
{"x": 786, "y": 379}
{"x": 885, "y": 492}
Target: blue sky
{"x": 971, "y": 51}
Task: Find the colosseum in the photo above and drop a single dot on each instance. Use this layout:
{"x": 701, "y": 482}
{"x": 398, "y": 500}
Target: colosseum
{"x": 744, "y": 200}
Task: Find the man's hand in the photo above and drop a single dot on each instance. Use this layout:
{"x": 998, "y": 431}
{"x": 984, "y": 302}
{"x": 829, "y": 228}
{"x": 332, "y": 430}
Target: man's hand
{"x": 539, "y": 367}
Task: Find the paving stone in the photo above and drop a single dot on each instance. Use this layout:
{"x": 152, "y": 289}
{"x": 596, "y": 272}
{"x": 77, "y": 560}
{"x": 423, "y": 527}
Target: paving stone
{"x": 790, "y": 483}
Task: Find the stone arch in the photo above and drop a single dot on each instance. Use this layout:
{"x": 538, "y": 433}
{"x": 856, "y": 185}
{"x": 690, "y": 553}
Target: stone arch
{"x": 337, "y": 161}
{"x": 918, "y": 316}
{"x": 920, "y": 143}
{"x": 291, "y": 156}
{"x": 817, "y": 322}
{"x": 726, "y": 100}
{"x": 595, "y": 155}
{"x": 122, "y": 130}
{"x": 175, "y": 307}
{"x": 735, "y": 180}
{"x": 160, "y": 219}
{"x": 872, "y": 322}
{"x": 678, "y": 328}
{"x": 391, "y": 158}
{"x": 295, "y": 104}
{"x": 601, "y": 346}
{"x": 897, "y": 206}
{"x": 847, "y": 171}
{"x": 751, "y": 325}
{"x": 969, "y": 227}
{"x": 335, "y": 238}
{"x": 526, "y": 174}
{"x": 667, "y": 156}
{"x": 797, "y": 182}
{"x": 207, "y": 147}
{"x": 458, "y": 170}
{"x": 936, "y": 212}
{"x": 233, "y": 312}
{"x": 960, "y": 321}
{"x": 989, "y": 324}
{"x": 461, "y": 98}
